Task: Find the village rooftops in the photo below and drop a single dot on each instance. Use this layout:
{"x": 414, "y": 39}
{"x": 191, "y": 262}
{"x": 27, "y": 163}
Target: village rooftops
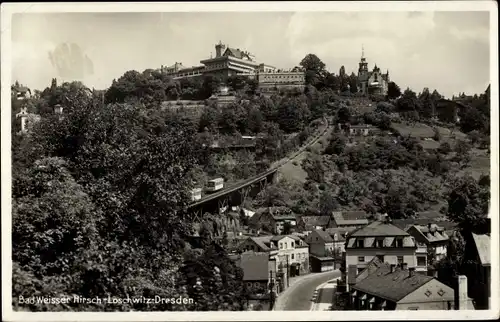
{"x": 392, "y": 286}
{"x": 432, "y": 233}
{"x": 264, "y": 242}
{"x": 380, "y": 234}
{"x": 408, "y": 222}
{"x": 340, "y": 232}
{"x": 324, "y": 235}
{"x": 483, "y": 245}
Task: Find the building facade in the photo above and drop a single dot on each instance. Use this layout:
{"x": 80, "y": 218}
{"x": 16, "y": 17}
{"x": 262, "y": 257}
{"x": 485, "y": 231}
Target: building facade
{"x": 372, "y": 82}
{"x": 434, "y": 238}
{"x": 389, "y": 287}
{"x": 383, "y": 240}
{"x": 230, "y": 61}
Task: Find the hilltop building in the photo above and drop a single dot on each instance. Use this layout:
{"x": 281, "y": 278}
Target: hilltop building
{"x": 230, "y": 61}
{"x": 372, "y": 82}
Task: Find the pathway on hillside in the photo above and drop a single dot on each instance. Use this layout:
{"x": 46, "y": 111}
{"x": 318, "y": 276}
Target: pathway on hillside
{"x": 299, "y": 296}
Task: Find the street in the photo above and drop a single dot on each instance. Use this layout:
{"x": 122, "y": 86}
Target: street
{"x": 299, "y": 296}
{"x": 324, "y": 296}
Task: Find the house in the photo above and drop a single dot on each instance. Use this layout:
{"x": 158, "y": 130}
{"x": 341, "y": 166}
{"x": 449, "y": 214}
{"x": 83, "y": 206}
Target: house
{"x": 478, "y": 268}
{"x": 348, "y": 219}
{"x": 259, "y": 275}
{"x": 290, "y": 252}
{"x": 433, "y": 237}
{"x": 383, "y": 240}
{"x": 293, "y": 254}
{"x": 384, "y": 286}
{"x": 339, "y": 235}
{"x": 273, "y": 219}
{"x": 321, "y": 250}
{"x": 306, "y": 223}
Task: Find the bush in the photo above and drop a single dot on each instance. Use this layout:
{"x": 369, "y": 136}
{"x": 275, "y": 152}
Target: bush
{"x": 295, "y": 162}
{"x": 309, "y": 149}
{"x": 444, "y": 148}
{"x": 322, "y": 187}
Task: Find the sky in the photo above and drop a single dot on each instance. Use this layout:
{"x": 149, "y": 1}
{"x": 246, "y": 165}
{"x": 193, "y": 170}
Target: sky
{"x": 447, "y": 51}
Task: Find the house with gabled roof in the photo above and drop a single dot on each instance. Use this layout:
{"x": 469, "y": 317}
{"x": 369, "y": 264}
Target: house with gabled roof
{"x": 306, "y": 223}
{"x": 321, "y": 250}
{"x": 383, "y": 240}
{"x": 477, "y": 259}
{"x": 384, "y": 286}
{"x": 434, "y": 238}
{"x": 274, "y": 219}
{"x": 348, "y": 219}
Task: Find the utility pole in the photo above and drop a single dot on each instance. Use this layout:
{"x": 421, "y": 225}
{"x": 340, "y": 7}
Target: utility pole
{"x": 287, "y": 272}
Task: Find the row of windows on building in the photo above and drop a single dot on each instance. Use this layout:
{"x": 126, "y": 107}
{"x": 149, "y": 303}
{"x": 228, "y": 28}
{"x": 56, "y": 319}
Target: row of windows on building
{"x": 421, "y": 260}
{"x": 272, "y": 77}
{"x": 360, "y": 243}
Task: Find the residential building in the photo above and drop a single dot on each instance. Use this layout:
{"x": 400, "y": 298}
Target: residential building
{"x": 259, "y": 274}
{"x": 384, "y": 286}
{"x": 320, "y": 243}
{"x": 290, "y": 252}
{"x": 361, "y": 130}
{"x": 306, "y": 223}
{"x": 20, "y": 92}
{"x": 293, "y": 253}
{"x": 346, "y": 219}
{"x": 274, "y": 219}
{"x": 383, "y": 240}
{"x": 339, "y": 235}
{"x": 477, "y": 260}
{"x": 321, "y": 251}
{"x": 26, "y": 119}
{"x": 433, "y": 237}
{"x": 371, "y": 82}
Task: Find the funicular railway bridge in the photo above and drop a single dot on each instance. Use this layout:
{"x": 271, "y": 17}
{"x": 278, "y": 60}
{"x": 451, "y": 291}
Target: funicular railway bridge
{"x": 237, "y": 193}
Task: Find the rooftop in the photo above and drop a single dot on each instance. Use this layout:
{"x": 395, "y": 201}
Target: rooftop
{"x": 264, "y": 242}
{"x": 315, "y": 220}
{"x": 324, "y": 235}
{"x": 350, "y": 218}
{"x": 378, "y": 229}
{"x": 255, "y": 266}
{"x": 391, "y": 286}
{"x": 483, "y": 245}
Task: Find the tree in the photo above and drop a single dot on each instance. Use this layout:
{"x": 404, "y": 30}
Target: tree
{"x": 393, "y": 90}
{"x": 427, "y": 104}
{"x": 468, "y": 204}
{"x": 287, "y": 228}
{"x": 327, "y": 203}
{"x": 408, "y": 101}
{"x": 444, "y": 148}
{"x": 344, "y": 115}
{"x": 353, "y": 83}
{"x": 336, "y": 145}
{"x": 314, "y": 69}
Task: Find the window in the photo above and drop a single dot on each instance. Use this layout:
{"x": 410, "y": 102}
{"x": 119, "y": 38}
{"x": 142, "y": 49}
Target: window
{"x": 421, "y": 261}
{"x": 292, "y": 245}
{"x": 361, "y": 259}
{"x": 360, "y": 243}
{"x": 400, "y": 260}
{"x": 381, "y": 257}
{"x": 293, "y": 256}
{"x": 285, "y": 246}
{"x": 380, "y": 243}
{"x": 399, "y": 243}
{"x": 281, "y": 245}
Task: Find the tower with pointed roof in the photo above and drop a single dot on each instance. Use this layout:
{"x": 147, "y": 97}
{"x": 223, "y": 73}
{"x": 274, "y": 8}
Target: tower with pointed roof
{"x": 371, "y": 82}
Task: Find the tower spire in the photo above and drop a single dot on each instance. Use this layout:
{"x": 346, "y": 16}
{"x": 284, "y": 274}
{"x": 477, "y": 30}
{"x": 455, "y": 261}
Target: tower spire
{"x": 362, "y": 51}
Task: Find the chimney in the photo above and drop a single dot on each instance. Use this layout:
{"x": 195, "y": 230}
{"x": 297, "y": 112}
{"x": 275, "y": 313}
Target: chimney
{"x": 404, "y": 266}
{"x": 462, "y": 292}
{"x": 393, "y": 268}
{"x": 412, "y": 271}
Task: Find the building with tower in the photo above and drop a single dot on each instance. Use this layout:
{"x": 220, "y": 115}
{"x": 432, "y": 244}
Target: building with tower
{"x": 230, "y": 61}
{"x": 371, "y": 82}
